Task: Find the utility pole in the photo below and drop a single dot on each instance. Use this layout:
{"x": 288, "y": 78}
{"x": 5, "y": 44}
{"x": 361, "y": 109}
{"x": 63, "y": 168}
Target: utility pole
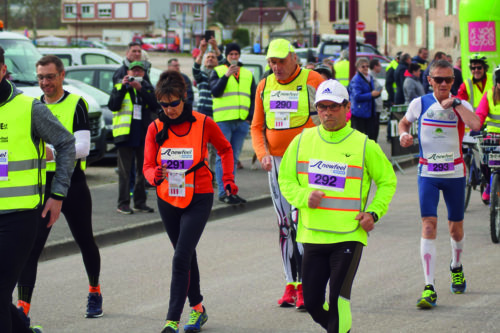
{"x": 166, "y": 30}
{"x": 261, "y": 19}
{"x": 6, "y": 20}
{"x": 386, "y": 37}
{"x": 352, "y": 38}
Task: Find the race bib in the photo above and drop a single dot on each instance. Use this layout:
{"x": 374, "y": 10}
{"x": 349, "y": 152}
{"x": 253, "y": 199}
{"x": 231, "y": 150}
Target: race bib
{"x": 177, "y": 158}
{"x": 327, "y": 175}
{"x": 494, "y": 160}
{"x": 282, "y": 120}
{"x": 176, "y": 184}
{"x": 137, "y": 112}
{"x": 4, "y": 165}
{"x": 440, "y": 163}
{"x": 284, "y": 101}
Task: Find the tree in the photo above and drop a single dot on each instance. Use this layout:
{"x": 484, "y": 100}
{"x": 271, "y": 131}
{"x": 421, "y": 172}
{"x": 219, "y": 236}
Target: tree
{"x": 227, "y": 11}
{"x": 35, "y": 14}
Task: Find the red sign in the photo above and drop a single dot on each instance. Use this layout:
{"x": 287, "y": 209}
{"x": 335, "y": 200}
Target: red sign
{"x": 360, "y": 26}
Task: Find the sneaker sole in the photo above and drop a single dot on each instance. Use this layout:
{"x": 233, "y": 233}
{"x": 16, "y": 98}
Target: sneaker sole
{"x": 194, "y": 330}
{"x": 286, "y": 305}
{"x": 457, "y": 291}
{"x": 124, "y": 213}
{"x": 94, "y": 316}
{"x": 143, "y": 211}
{"x": 424, "y": 304}
{"x": 301, "y": 308}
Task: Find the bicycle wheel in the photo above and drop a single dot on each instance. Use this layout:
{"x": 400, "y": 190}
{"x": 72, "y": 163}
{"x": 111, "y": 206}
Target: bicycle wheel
{"x": 468, "y": 181}
{"x": 495, "y": 209}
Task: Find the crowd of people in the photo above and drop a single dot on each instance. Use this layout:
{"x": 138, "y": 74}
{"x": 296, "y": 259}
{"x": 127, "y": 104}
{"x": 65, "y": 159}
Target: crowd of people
{"x": 313, "y": 130}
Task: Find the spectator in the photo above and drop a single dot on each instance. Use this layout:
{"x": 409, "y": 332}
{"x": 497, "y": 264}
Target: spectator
{"x": 341, "y": 68}
{"x": 233, "y": 89}
{"x": 375, "y": 69}
{"x": 478, "y": 83}
{"x": 310, "y": 65}
{"x": 425, "y": 81}
{"x": 458, "y": 64}
{"x": 412, "y": 86}
{"x": 324, "y": 71}
{"x": 399, "y": 77}
{"x": 329, "y": 63}
{"x": 421, "y": 58}
{"x": 390, "y": 84}
{"x": 362, "y": 95}
{"x": 174, "y": 65}
{"x": 134, "y": 53}
{"x": 256, "y": 48}
{"x": 457, "y": 73}
{"x": 132, "y": 102}
{"x": 211, "y": 60}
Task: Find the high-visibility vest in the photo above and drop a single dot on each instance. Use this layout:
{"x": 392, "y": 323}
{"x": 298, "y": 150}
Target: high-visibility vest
{"x": 65, "y": 113}
{"x": 192, "y": 140}
{"x": 493, "y": 118}
{"x": 304, "y": 104}
{"x": 393, "y": 64}
{"x": 337, "y": 210}
{"x": 235, "y": 101}
{"x": 476, "y": 95}
{"x": 25, "y": 170}
{"x": 123, "y": 119}
{"x": 342, "y": 72}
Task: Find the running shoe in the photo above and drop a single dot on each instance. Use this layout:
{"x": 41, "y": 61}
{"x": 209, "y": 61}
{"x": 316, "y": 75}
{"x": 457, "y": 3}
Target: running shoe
{"x": 196, "y": 321}
{"x": 94, "y": 306}
{"x": 288, "y": 298}
{"x": 229, "y": 199}
{"x": 171, "y": 327}
{"x": 23, "y": 316}
{"x": 428, "y": 299}
{"x": 299, "y": 304}
{"x": 458, "y": 283}
{"x": 143, "y": 209}
{"x": 486, "y": 194}
{"x": 37, "y": 329}
{"x": 240, "y": 199}
{"x": 124, "y": 209}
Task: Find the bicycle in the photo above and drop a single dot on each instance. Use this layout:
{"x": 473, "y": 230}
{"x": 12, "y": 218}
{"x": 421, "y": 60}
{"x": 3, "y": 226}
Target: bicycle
{"x": 473, "y": 175}
{"x": 489, "y": 150}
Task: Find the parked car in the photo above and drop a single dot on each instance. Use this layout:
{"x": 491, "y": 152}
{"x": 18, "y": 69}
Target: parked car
{"x": 153, "y": 44}
{"x": 73, "y": 56}
{"x": 88, "y": 43}
{"x": 307, "y": 54}
{"x": 21, "y": 57}
{"x": 331, "y": 45}
{"x": 255, "y": 63}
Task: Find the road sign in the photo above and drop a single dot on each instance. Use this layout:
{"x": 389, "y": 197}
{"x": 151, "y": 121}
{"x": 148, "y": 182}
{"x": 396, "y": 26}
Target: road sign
{"x": 360, "y": 26}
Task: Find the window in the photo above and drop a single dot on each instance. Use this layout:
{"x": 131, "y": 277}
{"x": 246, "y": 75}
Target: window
{"x": 139, "y": 9}
{"x": 65, "y": 58}
{"x": 69, "y": 11}
{"x": 447, "y": 31}
{"x": 106, "y": 81}
{"x": 418, "y": 30}
{"x": 431, "y": 4}
{"x": 121, "y": 10}
{"x": 104, "y": 10}
{"x": 88, "y": 11}
{"x": 197, "y": 10}
{"x": 398, "y": 34}
{"x": 83, "y": 75}
{"x": 431, "y": 35}
{"x": 405, "y": 34}
{"x": 176, "y": 8}
{"x": 343, "y": 10}
{"x": 96, "y": 59}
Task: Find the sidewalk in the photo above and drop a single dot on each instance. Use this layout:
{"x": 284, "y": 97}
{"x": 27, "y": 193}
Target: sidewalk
{"x": 111, "y": 227}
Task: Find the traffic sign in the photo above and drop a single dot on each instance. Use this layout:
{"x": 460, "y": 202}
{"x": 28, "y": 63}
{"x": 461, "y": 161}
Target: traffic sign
{"x": 360, "y": 26}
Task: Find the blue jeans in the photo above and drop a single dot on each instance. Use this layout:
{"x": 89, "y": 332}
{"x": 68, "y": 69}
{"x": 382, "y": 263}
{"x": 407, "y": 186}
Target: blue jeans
{"x": 235, "y": 132}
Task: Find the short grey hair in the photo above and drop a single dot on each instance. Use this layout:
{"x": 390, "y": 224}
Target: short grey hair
{"x": 440, "y": 64}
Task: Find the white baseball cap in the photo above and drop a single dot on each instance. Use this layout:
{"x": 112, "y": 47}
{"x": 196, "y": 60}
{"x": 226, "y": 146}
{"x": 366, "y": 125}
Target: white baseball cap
{"x": 331, "y": 90}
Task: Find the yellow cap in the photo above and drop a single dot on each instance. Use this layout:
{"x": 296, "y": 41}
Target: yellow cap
{"x": 279, "y": 48}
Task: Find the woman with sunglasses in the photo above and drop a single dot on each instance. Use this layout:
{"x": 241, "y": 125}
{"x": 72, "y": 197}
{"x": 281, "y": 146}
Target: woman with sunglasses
{"x": 175, "y": 162}
{"x": 488, "y": 112}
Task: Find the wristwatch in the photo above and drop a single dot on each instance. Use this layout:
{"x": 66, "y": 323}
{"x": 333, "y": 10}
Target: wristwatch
{"x": 456, "y": 102}
{"x": 374, "y": 215}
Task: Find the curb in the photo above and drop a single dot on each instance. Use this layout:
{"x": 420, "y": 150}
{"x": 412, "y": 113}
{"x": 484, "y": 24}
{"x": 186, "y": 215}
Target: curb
{"x": 115, "y": 236}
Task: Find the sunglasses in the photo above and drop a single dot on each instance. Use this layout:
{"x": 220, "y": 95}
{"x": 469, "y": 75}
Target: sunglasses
{"x": 473, "y": 68}
{"x": 440, "y": 79}
{"x": 48, "y": 77}
{"x": 331, "y": 107}
{"x": 172, "y": 104}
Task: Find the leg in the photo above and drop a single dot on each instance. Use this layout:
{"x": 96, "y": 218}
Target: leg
{"x": 139, "y": 188}
{"x": 225, "y": 127}
{"x": 124, "y": 158}
{"x": 238, "y": 136}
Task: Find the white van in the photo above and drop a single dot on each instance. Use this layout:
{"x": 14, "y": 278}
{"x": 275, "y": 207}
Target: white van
{"x": 75, "y": 56}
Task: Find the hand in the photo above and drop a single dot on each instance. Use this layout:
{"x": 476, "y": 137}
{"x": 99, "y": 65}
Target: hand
{"x": 447, "y": 103}
{"x": 266, "y": 163}
{"x": 231, "y": 188}
{"x": 160, "y": 174}
{"x": 233, "y": 69}
{"x": 213, "y": 42}
{"x": 54, "y": 207}
{"x": 135, "y": 84}
{"x": 203, "y": 46}
{"x": 366, "y": 221}
{"x": 49, "y": 154}
{"x": 315, "y": 198}
{"x": 406, "y": 140}
{"x": 375, "y": 93}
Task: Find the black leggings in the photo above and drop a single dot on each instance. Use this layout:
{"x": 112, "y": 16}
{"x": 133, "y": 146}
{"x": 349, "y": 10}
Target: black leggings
{"x": 17, "y": 235}
{"x": 77, "y": 209}
{"x": 184, "y": 227}
{"x": 338, "y": 263}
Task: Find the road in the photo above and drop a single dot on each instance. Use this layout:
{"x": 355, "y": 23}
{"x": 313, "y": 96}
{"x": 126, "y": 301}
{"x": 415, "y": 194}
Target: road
{"x": 242, "y": 279}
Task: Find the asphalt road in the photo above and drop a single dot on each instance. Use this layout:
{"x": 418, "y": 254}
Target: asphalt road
{"x": 242, "y": 279}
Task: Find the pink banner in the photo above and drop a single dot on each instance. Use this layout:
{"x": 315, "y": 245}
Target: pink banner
{"x": 482, "y": 37}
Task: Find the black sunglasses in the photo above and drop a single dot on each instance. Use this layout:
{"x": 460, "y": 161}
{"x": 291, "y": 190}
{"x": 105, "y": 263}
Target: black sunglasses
{"x": 440, "y": 79}
{"x": 473, "y": 68}
{"x": 172, "y": 104}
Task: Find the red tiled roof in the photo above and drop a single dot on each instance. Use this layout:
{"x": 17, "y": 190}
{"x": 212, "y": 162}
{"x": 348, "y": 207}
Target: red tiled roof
{"x": 270, "y": 15}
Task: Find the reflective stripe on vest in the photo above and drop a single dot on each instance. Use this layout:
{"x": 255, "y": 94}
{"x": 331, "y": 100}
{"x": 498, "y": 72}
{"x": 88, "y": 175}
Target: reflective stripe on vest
{"x": 123, "y": 119}
{"x": 65, "y": 113}
{"x": 493, "y": 118}
{"x": 337, "y": 210}
{"x": 297, "y": 119}
{"x": 193, "y": 139}
{"x": 235, "y": 101}
{"x": 26, "y": 168}
{"x": 476, "y": 95}
{"x": 342, "y": 72}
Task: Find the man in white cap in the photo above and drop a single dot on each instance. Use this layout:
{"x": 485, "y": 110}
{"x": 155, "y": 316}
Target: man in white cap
{"x": 326, "y": 173}
{"x": 283, "y": 108}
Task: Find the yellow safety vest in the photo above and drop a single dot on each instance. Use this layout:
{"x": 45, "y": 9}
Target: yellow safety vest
{"x": 303, "y": 105}
{"x": 342, "y": 72}
{"x": 475, "y": 97}
{"x": 338, "y": 209}
{"x": 493, "y": 118}
{"x": 22, "y": 162}
{"x": 123, "y": 119}
{"x": 393, "y": 64}
{"x": 65, "y": 113}
{"x": 235, "y": 101}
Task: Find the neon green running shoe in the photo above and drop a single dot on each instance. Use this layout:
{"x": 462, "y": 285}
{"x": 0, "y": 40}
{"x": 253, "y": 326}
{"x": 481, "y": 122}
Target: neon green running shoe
{"x": 458, "y": 283}
{"x": 428, "y": 299}
{"x": 196, "y": 321}
{"x": 171, "y": 327}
